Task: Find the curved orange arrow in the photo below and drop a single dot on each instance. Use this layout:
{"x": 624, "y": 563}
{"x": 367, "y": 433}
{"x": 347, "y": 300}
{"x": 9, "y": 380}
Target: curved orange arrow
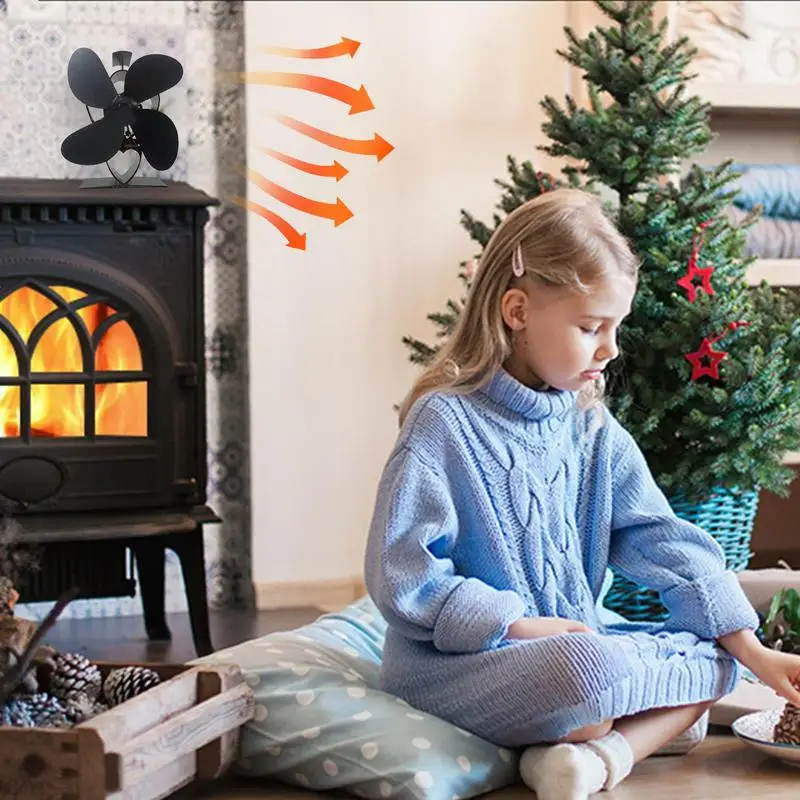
{"x": 343, "y": 48}
{"x": 335, "y": 170}
{"x": 377, "y": 146}
{"x": 294, "y": 238}
{"x": 357, "y": 99}
{"x": 337, "y": 211}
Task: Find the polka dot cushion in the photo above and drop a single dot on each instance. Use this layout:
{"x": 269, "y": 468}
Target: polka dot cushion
{"x": 322, "y": 723}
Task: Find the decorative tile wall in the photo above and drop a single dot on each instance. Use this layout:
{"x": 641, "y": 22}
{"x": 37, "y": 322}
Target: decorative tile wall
{"x": 38, "y": 111}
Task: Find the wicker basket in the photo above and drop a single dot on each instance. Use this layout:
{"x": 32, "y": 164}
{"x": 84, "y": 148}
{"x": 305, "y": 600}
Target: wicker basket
{"x": 727, "y": 515}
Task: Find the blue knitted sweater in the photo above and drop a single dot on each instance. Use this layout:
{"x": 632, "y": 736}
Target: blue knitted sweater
{"x": 508, "y": 502}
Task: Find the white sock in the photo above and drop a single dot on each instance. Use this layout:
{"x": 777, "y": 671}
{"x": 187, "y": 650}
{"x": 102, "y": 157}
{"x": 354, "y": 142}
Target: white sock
{"x": 687, "y": 741}
{"x": 617, "y": 756}
{"x": 563, "y": 771}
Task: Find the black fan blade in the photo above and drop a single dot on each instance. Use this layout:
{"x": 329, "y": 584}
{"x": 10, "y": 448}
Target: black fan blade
{"x": 157, "y": 136}
{"x": 88, "y": 79}
{"x": 151, "y": 75}
{"x": 98, "y": 141}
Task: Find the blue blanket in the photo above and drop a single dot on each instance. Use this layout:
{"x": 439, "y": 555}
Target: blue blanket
{"x": 775, "y": 186}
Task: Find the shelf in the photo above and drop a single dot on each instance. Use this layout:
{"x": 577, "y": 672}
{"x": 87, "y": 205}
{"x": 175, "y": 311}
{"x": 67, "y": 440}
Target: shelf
{"x": 776, "y": 271}
{"x": 725, "y": 96}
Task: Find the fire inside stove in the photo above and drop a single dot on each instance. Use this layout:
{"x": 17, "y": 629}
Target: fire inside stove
{"x": 70, "y": 366}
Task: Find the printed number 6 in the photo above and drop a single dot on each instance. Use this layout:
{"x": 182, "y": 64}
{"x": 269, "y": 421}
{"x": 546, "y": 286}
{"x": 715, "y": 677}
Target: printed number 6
{"x": 783, "y": 57}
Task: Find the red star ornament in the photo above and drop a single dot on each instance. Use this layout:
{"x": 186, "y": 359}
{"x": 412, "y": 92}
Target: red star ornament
{"x": 706, "y": 351}
{"x": 687, "y": 281}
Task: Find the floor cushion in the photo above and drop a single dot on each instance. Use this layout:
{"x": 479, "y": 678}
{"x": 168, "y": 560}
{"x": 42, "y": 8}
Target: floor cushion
{"x": 322, "y": 723}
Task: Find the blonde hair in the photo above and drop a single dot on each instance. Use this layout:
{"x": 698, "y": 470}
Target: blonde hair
{"x": 564, "y": 239}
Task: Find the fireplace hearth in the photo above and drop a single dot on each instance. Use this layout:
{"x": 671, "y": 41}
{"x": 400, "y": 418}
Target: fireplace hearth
{"x": 102, "y": 388}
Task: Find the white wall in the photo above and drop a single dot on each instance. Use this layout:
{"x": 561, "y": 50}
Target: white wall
{"x": 456, "y": 87}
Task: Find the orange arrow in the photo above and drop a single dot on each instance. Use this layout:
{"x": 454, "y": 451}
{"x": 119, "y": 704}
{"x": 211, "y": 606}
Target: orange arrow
{"x": 357, "y": 99}
{"x": 293, "y": 237}
{"x": 377, "y": 146}
{"x": 344, "y": 47}
{"x": 335, "y": 170}
{"x": 337, "y": 211}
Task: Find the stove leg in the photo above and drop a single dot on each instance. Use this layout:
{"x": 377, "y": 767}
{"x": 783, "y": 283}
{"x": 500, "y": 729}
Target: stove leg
{"x": 189, "y": 549}
{"x": 150, "y": 555}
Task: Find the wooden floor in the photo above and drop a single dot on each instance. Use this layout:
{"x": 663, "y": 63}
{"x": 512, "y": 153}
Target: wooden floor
{"x": 719, "y": 769}
{"x": 722, "y": 768}
{"x": 124, "y": 639}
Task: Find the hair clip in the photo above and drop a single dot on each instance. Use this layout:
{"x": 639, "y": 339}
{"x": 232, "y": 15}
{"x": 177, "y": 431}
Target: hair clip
{"x": 517, "y": 265}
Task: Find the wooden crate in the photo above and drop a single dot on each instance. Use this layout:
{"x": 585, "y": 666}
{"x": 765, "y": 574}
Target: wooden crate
{"x": 182, "y": 730}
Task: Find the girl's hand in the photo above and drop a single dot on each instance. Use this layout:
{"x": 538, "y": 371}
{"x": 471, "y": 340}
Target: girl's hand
{"x": 779, "y": 671}
{"x": 536, "y": 627}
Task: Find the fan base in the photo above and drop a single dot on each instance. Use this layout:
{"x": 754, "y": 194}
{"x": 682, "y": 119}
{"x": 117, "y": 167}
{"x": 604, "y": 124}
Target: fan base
{"x": 110, "y": 183}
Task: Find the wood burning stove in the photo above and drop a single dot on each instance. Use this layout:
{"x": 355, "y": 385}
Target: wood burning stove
{"x": 102, "y": 387}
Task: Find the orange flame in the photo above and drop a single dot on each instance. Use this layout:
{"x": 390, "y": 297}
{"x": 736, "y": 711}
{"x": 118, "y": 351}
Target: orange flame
{"x": 58, "y": 409}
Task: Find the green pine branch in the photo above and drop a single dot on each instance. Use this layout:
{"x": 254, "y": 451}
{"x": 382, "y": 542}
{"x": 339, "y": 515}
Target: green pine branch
{"x": 642, "y": 123}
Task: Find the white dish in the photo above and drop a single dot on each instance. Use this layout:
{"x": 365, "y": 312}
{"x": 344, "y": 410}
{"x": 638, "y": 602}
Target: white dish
{"x": 757, "y": 729}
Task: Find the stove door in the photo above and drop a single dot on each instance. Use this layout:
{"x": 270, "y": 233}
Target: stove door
{"x": 98, "y": 408}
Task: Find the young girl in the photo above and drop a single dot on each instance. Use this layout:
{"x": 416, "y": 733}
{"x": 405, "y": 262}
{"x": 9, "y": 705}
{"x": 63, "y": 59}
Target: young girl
{"x": 510, "y": 491}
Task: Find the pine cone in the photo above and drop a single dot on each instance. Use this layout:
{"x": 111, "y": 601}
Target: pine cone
{"x": 28, "y": 683}
{"x": 8, "y": 597}
{"x": 124, "y": 683}
{"x": 74, "y": 675}
{"x": 787, "y": 729}
{"x": 16, "y": 713}
{"x": 47, "y": 711}
{"x": 35, "y": 711}
{"x": 81, "y": 708}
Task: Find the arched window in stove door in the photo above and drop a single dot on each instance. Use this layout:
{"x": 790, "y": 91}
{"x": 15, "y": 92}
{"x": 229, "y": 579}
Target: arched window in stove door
{"x": 70, "y": 365}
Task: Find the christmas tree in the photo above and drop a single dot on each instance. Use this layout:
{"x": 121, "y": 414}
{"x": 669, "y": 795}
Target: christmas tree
{"x": 709, "y": 378}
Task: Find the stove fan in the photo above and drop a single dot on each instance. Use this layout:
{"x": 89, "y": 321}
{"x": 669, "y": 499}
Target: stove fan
{"x": 125, "y": 121}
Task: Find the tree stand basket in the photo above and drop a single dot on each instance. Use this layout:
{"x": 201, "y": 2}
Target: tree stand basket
{"x": 727, "y": 515}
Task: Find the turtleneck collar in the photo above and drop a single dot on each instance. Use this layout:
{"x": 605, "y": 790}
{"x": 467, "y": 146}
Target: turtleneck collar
{"x": 533, "y": 404}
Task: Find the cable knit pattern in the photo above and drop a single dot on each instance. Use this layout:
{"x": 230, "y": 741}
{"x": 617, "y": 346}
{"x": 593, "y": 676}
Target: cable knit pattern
{"x": 511, "y": 502}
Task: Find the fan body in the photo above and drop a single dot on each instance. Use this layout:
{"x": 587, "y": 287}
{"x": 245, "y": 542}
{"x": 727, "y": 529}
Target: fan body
{"x": 125, "y": 118}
